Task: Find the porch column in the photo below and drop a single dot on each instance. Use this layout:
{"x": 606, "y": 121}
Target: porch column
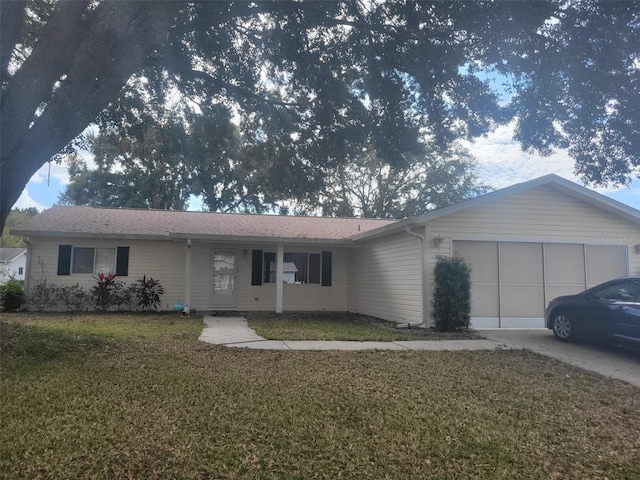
{"x": 187, "y": 277}
{"x": 279, "y": 277}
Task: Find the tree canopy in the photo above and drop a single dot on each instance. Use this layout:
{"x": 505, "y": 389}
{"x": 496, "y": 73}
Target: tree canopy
{"x": 310, "y": 81}
{"x": 369, "y": 187}
{"x": 16, "y": 218}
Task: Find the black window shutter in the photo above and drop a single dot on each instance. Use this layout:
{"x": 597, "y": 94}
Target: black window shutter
{"x": 256, "y": 267}
{"x": 122, "y": 262}
{"x": 314, "y": 268}
{"x": 326, "y": 269}
{"x": 64, "y": 259}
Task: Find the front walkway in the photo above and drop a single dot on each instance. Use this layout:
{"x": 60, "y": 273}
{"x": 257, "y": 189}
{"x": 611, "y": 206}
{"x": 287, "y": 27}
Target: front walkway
{"x": 234, "y": 332}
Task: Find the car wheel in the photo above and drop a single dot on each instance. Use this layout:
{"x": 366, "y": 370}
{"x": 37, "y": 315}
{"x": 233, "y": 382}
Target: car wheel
{"x": 563, "y": 327}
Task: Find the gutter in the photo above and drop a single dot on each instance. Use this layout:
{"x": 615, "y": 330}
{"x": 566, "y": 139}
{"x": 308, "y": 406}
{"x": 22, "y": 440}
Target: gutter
{"x": 425, "y": 268}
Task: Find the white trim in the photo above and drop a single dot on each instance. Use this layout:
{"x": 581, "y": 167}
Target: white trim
{"x": 480, "y": 323}
{"x": 515, "y": 322}
{"x": 484, "y": 323}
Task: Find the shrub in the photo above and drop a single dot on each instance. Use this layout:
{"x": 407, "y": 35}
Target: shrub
{"x": 124, "y": 296}
{"x": 452, "y": 294}
{"x": 147, "y": 293}
{"x": 42, "y": 295}
{"x": 73, "y": 297}
{"x": 11, "y": 295}
{"x": 103, "y": 292}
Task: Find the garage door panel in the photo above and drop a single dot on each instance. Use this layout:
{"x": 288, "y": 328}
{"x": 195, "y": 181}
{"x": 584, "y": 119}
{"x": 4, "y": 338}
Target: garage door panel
{"x": 522, "y": 301}
{"x": 564, "y": 264}
{"x": 482, "y": 257}
{"x": 521, "y": 263}
{"x": 484, "y": 300}
{"x": 606, "y": 262}
{"x": 511, "y": 281}
{"x": 554, "y": 291}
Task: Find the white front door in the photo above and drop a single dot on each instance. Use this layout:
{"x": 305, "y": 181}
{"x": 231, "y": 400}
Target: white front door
{"x": 224, "y": 279}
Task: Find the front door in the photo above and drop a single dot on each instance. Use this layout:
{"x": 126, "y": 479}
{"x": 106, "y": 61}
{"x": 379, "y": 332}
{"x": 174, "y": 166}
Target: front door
{"x": 224, "y": 279}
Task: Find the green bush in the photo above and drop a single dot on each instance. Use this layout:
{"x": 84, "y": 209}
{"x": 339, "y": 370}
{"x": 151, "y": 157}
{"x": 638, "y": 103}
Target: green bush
{"x": 11, "y": 295}
{"x": 452, "y": 295}
{"x": 73, "y": 297}
{"x": 42, "y": 294}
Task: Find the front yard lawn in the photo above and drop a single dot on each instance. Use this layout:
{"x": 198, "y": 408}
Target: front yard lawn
{"x": 137, "y": 396}
{"x": 341, "y": 326}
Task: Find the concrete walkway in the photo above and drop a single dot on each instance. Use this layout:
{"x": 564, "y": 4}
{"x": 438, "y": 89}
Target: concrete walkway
{"x": 234, "y": 332}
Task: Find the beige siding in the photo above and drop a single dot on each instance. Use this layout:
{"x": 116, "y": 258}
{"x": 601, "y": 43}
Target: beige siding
{"x": 385, "y": 279}
{"x": 538, "y": 215}
{"x": 160, "y": 260}
{"x": 307, "y": 297}
{"x": 166, "y": 260}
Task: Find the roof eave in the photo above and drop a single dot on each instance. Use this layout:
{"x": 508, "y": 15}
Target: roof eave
{"x": 261, "y": 239}
{"x": 127, "y": 236}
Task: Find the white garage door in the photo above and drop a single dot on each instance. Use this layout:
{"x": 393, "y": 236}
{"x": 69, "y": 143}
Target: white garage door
{"x": 511, "y": 282}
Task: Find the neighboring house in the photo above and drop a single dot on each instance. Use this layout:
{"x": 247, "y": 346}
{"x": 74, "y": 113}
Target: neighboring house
{"x": 526, "y": 244}
{"x": 13, "y": 263}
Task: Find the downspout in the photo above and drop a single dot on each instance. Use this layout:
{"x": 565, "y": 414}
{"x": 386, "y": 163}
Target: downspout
{"x": 27, "y": 267}
{"x": 425, "y": 272}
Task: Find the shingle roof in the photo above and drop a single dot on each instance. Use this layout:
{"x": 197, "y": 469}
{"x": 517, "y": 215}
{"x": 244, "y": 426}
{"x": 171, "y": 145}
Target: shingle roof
{"x": 9, "y": 254}
{"x": 113, "y": 222}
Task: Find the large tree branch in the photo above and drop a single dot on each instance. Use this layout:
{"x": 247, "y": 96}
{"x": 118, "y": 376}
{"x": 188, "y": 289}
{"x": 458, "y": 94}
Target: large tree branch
{"x": 122, "y": 37}
{"x": 11, "y": 28}
{"x": 34, "y": 81}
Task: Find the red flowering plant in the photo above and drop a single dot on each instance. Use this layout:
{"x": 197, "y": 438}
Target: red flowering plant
{"x": 103, "y": 291}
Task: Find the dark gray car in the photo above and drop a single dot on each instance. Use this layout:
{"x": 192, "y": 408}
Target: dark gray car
{"x": 609, "y": 312}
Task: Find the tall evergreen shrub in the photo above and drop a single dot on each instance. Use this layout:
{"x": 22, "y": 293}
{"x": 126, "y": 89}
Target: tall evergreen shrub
{"x": 452, "y": 295}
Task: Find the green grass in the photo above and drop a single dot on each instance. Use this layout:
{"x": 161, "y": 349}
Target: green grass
{"x": 340, "y": 326}
{"x": 108, "y": 396}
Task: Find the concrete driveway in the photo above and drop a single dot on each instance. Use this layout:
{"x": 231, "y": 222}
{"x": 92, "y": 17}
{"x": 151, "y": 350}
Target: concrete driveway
{"x": 607, "y": 360}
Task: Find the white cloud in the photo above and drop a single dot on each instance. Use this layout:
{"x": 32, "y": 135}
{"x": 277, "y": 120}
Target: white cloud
{"x": 502, "y": 162}
{"x": 58, "y": 171}
{"x": 25, "y": 201}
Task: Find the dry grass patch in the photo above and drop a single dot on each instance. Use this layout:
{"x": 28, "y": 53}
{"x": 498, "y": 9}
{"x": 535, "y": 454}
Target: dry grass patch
{"x": 140, "y": 397}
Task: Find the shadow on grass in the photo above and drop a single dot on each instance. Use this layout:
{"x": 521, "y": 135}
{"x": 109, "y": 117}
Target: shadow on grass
{"x": 41, "y": 345}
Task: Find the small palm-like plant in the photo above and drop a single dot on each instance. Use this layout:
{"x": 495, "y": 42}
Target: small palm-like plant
{"x": 147, "y": 292}
{"x": 102, "y": 292}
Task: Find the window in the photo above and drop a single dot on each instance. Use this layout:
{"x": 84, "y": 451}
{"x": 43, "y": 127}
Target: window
{"x": 625, "y": 291}
{"x": 20, "y": 270}
{"x": 93, "y": 260}
{"x": 300, "y": 268}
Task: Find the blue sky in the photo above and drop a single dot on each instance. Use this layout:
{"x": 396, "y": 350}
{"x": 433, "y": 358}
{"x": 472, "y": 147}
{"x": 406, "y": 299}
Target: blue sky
{"x": 501, "y": 163}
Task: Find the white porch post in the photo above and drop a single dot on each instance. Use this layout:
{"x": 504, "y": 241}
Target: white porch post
{"x": 187, "y": 277}
{"x": 279, "y": 278}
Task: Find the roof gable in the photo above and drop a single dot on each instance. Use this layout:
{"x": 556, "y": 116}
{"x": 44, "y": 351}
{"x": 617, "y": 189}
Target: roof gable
{"x": 553, "y": 181}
